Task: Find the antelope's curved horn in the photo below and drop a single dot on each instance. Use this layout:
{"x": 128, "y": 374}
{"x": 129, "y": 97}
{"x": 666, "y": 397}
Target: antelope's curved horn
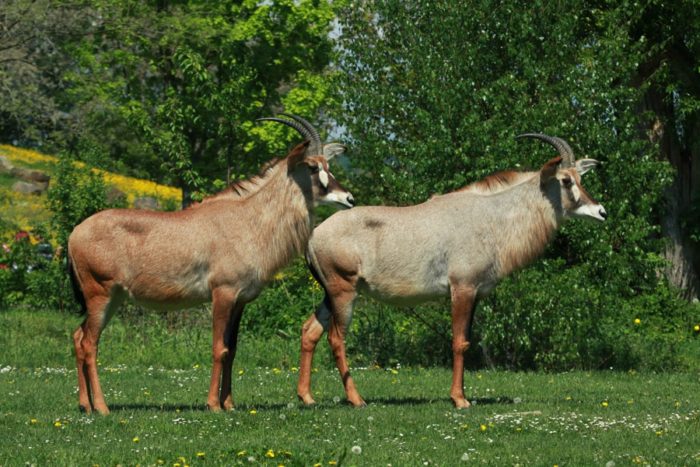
{"x": 562, "y": 146}
{"x": 316, "y": 146}
{"x": 306, "y": 124}
{"x": 303, "y": 127}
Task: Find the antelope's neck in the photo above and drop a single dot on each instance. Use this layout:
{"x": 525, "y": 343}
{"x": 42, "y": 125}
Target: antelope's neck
{"x": 284, "y": 222}
{"x": 530, "y": 226}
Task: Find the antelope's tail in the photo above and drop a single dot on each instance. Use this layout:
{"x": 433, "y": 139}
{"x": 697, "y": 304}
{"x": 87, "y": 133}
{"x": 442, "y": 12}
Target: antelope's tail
{"x": 77, "y": 291}
{"x": 312, "y": 263}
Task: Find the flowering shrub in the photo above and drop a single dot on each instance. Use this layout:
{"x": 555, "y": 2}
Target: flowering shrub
{"x": 75, "y": 192}
{"x": 132, "y": 187}
{"x": 19, "y": 260}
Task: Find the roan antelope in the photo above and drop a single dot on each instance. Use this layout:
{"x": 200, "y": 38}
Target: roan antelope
{"x": 459, "y": 244}
{"x": 223, "y": 249}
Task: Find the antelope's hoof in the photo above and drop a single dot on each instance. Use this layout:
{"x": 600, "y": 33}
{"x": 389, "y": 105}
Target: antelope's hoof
{"x": 358, "y": 403}
{"x": 102, "y": 410}
{"x": 460, "y": 403}
{"x": 307, "y": 400}
{"x": 214, "y": 407}
{"x": 85, "y": 409}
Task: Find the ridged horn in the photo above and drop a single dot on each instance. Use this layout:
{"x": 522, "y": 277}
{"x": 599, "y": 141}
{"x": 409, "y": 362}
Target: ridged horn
{"x": 303, "y": 127}
{"x": 562, "y": 146}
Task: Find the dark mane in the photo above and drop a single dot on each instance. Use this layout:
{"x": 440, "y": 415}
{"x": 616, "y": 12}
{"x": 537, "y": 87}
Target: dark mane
{"x": 242, "y": 188}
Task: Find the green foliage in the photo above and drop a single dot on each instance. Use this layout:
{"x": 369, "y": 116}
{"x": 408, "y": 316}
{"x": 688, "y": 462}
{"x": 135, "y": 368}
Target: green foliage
{"x": 26, "y": 276}
{"x": 284, "y": 304}
{"x": 75, "y": 194}
{"x": 432, "y": 94}
{"x": 172, "y": 90}
{"x": 30, "y": 274}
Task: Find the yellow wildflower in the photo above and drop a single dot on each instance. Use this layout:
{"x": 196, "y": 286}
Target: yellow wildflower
{"x": 637, "y": 321}
{"x": 253, "y": 412}
{"x": 200, "y": 454}
{"x": 604, "y": 403}
{"x": 270, "y": 453}
{"x": 57, "y": 424}
{"x": 33, "y": 421}
{"x": 136, "y": 439}
{"x": 483, "y": 427}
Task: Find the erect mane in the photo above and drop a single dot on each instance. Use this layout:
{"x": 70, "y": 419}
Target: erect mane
{"x": 497, "y": 182}
{"x": 242, "y": 189}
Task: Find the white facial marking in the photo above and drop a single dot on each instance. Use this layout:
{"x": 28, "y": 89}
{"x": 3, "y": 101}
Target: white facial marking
{"x": 595, "y": 211}
{"x": 576, "y": 192}
{"x": 323, "y": 177}
{"x": 335, "y": 198}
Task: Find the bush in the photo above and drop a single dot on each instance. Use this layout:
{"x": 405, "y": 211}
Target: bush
{"x": 28, "y": 277}
{"x": 75, "y": 194}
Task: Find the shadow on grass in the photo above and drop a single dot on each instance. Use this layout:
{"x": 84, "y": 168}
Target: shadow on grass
{"x": 425, "y": 401}
{"x": 392, "y": 401}
{"x": 190, "y": 407}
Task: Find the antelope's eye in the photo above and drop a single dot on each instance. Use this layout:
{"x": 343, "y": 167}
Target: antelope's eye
{"x": 567, "y": 182}
{"x": 314, "y": 169}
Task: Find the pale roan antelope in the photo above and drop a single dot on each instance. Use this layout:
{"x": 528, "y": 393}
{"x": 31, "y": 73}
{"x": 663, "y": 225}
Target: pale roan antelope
{"x": 458, "y": 245}
{"x": 224, "y": 250}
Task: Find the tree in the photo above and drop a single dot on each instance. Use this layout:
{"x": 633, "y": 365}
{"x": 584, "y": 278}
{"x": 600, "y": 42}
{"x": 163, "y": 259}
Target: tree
{"x": 184, "y": 82}
{"x": 31, "y": 64}
{"x": 432, "y": 96}
{"x": 669, "y": 76}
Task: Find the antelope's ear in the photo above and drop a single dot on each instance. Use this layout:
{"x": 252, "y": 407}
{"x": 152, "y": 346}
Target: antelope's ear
{"x": 549, "y": 170}
{"x": 333, "y": 149}
{"x": 584, "y": 165}
{"x": 297, "y": 155}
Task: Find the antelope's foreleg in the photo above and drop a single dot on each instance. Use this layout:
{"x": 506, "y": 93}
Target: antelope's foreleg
{"x": 340, "y": 320}
{"x": 223, "y": 300}
{"x": 311, "y": 333}
{"x": 463, "y": 300}
{"x": 231, "y": 341}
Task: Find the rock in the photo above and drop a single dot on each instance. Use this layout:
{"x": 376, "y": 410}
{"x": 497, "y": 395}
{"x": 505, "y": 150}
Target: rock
{"x": 29, "y": 188}
{"x": 30, "y": 175}
{"x": 5, "y": 166}
{"x": 146, "y": 202}
{"x": 115, "y": 195}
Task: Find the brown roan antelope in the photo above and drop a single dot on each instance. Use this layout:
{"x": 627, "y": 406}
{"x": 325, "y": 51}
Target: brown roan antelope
{"x": 223, "y": 250}
{"x": 458, "y": 245}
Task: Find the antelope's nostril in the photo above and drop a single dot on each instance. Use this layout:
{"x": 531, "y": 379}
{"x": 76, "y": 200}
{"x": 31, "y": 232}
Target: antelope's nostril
{"x": 603, "y": 214}
{"x": 351, "y": 200}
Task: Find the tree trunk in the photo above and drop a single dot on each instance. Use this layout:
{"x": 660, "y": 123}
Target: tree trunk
{"x": 681, "y": 269}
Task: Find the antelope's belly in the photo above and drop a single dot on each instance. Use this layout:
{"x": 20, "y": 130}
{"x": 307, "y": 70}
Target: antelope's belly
{"x": 168, "y": 293}
{"x": 405, "y": 291}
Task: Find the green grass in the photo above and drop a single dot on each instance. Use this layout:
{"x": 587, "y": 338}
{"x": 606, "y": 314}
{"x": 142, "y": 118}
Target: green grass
{"x": 155, "y": 375}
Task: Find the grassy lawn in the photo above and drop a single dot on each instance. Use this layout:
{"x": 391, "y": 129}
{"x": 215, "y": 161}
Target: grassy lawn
{"x": 156, "y": 377}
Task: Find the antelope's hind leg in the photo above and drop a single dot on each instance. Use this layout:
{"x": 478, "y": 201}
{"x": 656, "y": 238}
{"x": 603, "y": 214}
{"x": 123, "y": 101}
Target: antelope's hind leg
{"x": 100, "y": 308}
{"x": 311, "y": 333}
{"x": 341, "y": 303}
